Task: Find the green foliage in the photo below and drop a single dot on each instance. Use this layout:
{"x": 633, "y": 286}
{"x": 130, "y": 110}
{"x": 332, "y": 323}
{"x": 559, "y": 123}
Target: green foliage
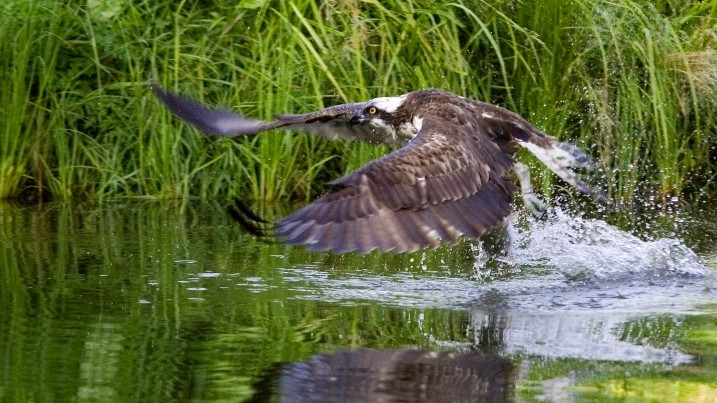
{"x": 630, "y": 81}
{"x": 649, "y": 83}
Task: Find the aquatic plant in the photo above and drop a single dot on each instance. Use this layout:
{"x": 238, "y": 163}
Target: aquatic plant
{"x": 631, "y": 81}
{"x": 651, "y": 94}
{"x": 28, "y": 63}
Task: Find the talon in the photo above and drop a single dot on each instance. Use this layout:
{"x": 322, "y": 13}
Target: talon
{"x": 536, "y": 206}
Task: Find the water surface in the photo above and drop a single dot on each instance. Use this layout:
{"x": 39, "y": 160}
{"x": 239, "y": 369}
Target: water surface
{"x": 146, "y": 301}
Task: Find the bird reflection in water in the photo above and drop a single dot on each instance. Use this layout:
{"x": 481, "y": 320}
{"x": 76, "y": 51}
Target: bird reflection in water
{"x": 395, "y": 375}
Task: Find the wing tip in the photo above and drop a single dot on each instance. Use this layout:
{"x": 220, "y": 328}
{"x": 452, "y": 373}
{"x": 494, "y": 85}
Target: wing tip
{"x": 250, "y": 221}
{"x": 579, "y": 158}
{"x": 217, "y": 122}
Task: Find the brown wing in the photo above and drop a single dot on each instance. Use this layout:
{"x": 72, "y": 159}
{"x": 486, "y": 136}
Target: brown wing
{"x": 333, "y": 122}
{"x": 219, "y": 122}
{"x": 505, "y": 126}
{"x": 447, "y": 182}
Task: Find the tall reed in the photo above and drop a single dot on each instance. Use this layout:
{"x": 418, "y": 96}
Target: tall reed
{"x": 28, "y": 63}
{"x": 648, "y": 79}
{"x": 630, "y": 81}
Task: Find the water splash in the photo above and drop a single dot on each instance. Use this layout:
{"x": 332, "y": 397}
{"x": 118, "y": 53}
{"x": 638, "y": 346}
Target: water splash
{"x": 572, "y": 284}
{"x": 564, "y": 263}
{"x": 593, "y": 251}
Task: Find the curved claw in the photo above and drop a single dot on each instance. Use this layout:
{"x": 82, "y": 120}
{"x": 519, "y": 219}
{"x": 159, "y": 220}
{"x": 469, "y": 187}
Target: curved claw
{"x": 536, "y": 206}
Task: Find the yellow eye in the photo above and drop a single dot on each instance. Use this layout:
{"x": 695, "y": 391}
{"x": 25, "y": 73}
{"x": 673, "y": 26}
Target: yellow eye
{"x": 372, "y": 110}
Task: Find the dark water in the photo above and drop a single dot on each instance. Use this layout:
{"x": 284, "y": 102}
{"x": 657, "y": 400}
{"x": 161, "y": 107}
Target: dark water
{"x": 148, "y": 301}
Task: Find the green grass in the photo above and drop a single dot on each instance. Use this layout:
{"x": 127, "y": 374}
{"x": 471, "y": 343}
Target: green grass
{"x": 631, "y": 82}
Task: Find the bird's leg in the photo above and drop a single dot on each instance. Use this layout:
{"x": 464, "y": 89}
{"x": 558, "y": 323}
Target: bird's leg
{"x": 536, "y": 206}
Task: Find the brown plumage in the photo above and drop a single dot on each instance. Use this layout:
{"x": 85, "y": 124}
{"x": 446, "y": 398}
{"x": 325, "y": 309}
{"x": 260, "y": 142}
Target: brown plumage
{"x": 449, "y": 179}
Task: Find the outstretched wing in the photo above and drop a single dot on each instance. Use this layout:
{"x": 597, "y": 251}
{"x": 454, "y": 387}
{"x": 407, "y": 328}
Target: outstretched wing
{"x": 505, "y": 126}
{"x": 333, "y": 122}
{"x": 220, "y": 122}
{"x": 447, "y": 182}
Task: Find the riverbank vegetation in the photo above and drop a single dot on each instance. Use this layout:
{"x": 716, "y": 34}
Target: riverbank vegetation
{"x": 631, "y": 82}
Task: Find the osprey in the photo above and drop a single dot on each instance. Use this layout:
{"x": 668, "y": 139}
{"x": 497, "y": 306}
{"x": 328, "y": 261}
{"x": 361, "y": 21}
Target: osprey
{"x": 451, "y": 177}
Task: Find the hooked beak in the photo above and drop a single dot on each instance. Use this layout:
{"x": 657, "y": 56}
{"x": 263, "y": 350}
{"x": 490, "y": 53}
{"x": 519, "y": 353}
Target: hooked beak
{"x": 358, "y": 118}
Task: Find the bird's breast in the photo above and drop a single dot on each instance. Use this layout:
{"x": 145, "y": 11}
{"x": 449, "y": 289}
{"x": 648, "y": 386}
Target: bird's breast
{"x": 409, "y": 129}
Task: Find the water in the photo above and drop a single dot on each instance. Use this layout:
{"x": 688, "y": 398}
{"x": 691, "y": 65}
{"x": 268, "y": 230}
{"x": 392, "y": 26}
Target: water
{"x": 143, "y": 301}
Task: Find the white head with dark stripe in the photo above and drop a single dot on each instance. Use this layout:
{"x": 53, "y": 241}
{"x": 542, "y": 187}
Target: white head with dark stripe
{"x": 392, "y": 116}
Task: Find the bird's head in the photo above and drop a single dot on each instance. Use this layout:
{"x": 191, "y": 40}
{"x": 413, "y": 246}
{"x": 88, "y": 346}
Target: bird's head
{"x": 389, "y": 115}
{"x": 379, "y": 110}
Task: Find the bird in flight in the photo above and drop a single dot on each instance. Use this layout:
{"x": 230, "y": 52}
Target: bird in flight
{"x": 451, "y": 176}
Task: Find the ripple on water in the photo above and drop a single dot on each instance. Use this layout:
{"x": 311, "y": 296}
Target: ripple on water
{"x": 563, "y": 264}
{"x": 577, "y": 282}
